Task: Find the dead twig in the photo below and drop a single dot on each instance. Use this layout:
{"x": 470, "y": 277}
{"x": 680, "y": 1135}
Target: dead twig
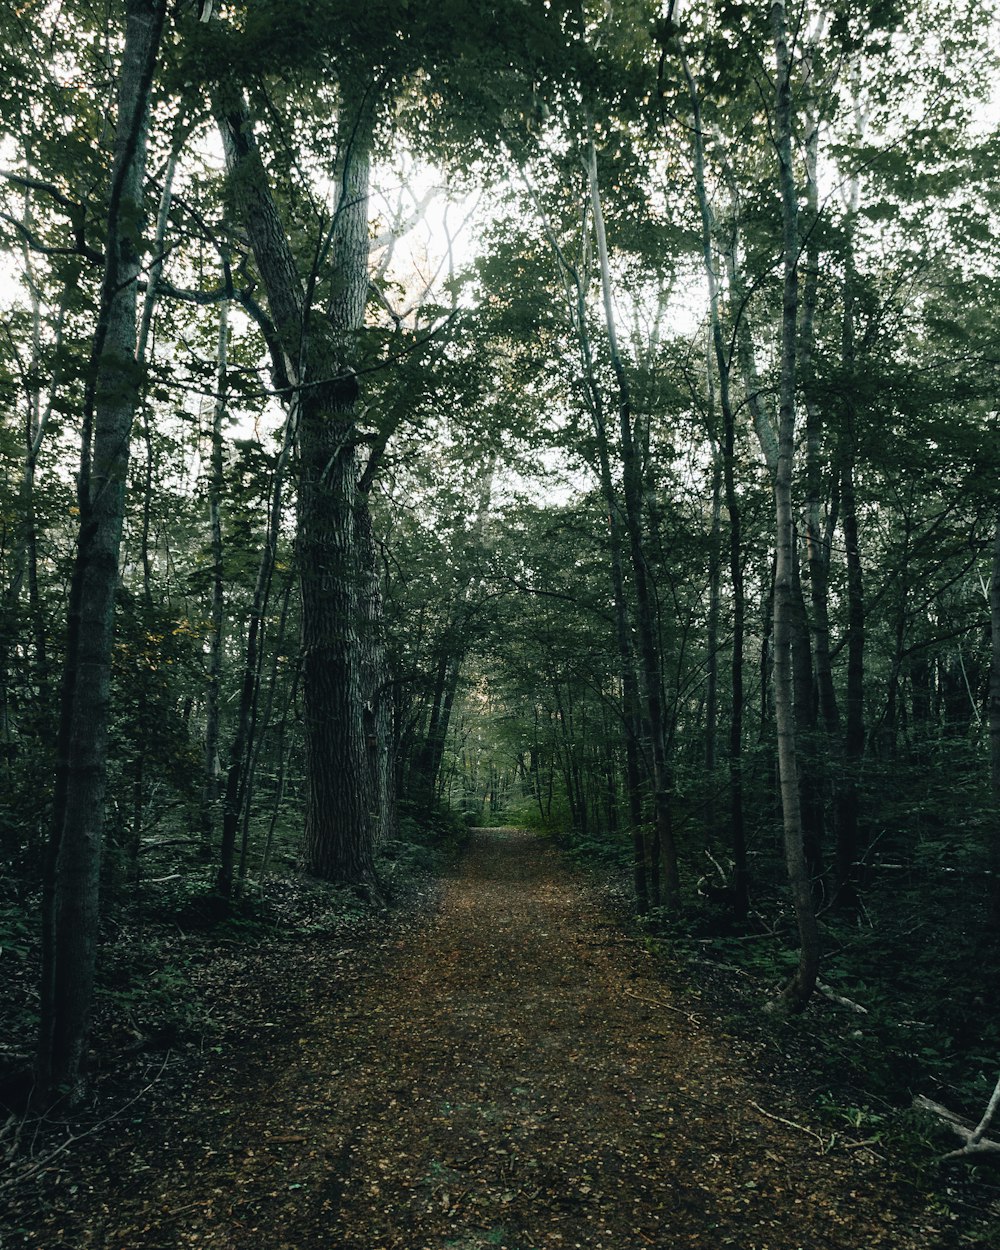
{"x": 714, "y": 963}
{"x": 802, "y": 1128}
{"x": 10, "y": 1182}
{"x": 653, "y": 1002}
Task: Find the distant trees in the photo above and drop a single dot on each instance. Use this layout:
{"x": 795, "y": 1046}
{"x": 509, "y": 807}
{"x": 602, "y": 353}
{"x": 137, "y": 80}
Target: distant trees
{"x": 807, "y": 331}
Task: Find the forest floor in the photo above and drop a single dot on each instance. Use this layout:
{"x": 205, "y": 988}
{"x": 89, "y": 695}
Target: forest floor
{"x": 508, "y": 1071}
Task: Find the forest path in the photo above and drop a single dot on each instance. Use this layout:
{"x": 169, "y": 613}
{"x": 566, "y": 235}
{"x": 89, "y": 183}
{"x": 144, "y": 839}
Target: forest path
{"x": 508, "y": 1075}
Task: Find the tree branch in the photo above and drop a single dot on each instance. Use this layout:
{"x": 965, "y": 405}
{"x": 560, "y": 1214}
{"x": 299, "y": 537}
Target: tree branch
{"x": 36, "y": 245}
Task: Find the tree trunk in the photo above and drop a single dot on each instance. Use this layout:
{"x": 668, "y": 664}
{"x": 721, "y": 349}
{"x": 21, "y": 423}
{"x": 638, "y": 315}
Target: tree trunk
{"x": 429, "y": 757}
{"x": 317, "y": 350}
{"x": 848, "y": 803}
{"x": 422, "y": 772}
{"x": 723, "y": 368}
{"x": 854, "y": 732}
{"x": 645, "y": 613}
{"x": 339, "y": 833}
{"x": 712, "y": 627}
{"x": 182, "y": 131}
{"x": 994, "y": 723}
{"x": 797, "y": 992}
{"x": 378, "y": 710}
{"x": 23, "y": 558}
{"x": 340, "y": 824}
{"x": 235, "y": 788}
{"x": 260, "y": 722}
{"x": 283, "y": 760}
{"x": 70, "y": 902}
{"x": 826, "y": 764}
{"x": 212, "y": 777}
{"x": 810, "y": 762}
{"x": 645, "y": 884}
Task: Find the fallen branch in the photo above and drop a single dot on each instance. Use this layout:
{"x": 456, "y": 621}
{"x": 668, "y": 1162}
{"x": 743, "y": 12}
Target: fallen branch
{"x": 973, "y": 1136}
{"x": 834, "y": 997}
{"x": 937, "y": 869}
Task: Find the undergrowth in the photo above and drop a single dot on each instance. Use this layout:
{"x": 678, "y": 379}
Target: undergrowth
{"x": 160, "y": 942}
{"x": 917, "y": 962}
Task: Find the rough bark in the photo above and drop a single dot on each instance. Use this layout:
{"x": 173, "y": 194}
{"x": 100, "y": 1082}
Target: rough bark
{"x": 340, "y": 827}
{"x": 318, "y": 348}
{"x": 70, "y": 904}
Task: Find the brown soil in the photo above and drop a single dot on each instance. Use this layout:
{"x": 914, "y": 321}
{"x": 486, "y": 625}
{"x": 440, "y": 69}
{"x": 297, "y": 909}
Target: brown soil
{"x": 511, "y": 1074}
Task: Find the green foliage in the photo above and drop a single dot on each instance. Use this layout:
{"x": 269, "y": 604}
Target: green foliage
{"x": 609, "y": 851}
{"x": 429, "y": 840}
{"x": 553, "y": 819}
{"x": 506, "y": 630}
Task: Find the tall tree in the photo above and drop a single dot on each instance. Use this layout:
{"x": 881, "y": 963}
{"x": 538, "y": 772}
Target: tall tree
{"x": 799, "y": 989}
{"x": 652, "y": 686}
{"x": 317, "y": 351}
{"x": 74, "y": 860}
{"x": 994, "y": 725}
{"x": 723, "y": 366}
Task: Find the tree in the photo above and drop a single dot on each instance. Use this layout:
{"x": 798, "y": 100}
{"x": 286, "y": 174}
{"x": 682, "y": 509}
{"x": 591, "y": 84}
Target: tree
{"x": 994, "y": 722}
{"x": 74, "y": 857}
{"x": 797, "y": 993}
{"x": 316, "y": 351}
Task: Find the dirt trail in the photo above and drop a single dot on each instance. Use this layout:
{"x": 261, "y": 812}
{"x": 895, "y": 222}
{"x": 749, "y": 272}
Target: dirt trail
{"x": 508, "y": 1076}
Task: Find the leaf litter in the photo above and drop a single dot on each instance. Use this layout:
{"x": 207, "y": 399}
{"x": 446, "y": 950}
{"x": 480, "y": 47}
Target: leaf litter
{"x": 487, "y": 1076}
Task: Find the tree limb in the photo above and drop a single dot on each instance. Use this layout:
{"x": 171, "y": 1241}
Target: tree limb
{"x": 36, "y": 245}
